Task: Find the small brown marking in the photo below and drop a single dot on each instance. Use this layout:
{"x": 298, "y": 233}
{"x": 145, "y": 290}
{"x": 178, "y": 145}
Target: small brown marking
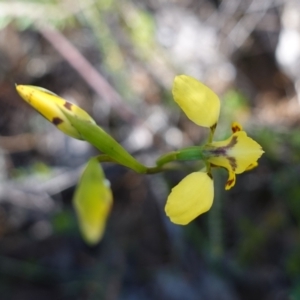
{"x": 213, "y": 127}
{"x": 222, "y": 151}
{"x": 232, "y": 162}
{"x": 68, "y": 105}
{"x": 56, "y": 121}
{"x": 30, "y": 96}
{"x": 210, "y": 175}
{"x": 229, "y": 182}
{"x": 219, "y": 151}
{"x": 232, "y": 142}
{"x": 235, "y": 129}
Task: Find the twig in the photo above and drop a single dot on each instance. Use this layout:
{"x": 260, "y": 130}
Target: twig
{"x": 92, "y": 77}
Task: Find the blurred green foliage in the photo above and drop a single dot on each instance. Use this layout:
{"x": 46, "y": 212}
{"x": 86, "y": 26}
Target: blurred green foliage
{"x": 64, "y": 222}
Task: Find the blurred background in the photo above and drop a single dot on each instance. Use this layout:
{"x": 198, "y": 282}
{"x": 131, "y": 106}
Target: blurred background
{"x": 117, "y": 60}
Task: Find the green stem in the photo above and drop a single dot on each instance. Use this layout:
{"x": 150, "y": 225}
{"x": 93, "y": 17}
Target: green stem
{"x": 215, "y": 223}
{"x": 114, "y": 152}
{"x": 96, "y": 136}
{"x": 190, "y": 153}
{"x": 211, "y": 133}
{"x": 208, "y": 168}
{"x": 149, "y": 170}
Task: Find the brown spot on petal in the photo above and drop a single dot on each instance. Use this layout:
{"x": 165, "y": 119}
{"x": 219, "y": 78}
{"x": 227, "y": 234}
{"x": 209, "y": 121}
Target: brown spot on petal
{"x": 229, "y": 183}
{"x": 222, "y": 151}
{"x": 56, "y": 121}
{"x": 235, "y": 129}
{"x": 232, "y": 142}
{"x": 232, "y": 163}
{"x": 29, "y": 97}
{"x": 210, "y": 175}
{"x": 68, "y": 105}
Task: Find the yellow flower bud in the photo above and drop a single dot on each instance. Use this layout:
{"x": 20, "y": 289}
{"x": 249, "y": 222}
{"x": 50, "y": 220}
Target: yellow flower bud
{"x": 92, "y": 202}
{"x": 52, "y": 106}
{"x": 200, "y": 103}
{"x": 192, "y": 197}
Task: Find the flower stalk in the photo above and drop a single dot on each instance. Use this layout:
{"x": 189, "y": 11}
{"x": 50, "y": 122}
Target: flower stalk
{"x": 193, "y": 196}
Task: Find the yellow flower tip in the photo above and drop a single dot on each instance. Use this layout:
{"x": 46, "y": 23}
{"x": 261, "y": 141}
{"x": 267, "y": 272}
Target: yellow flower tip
{"x": 53, "y": 108}
{"x": 231, "y": 180}
{"x": 192, "y": 197}
{"x": 235, "y": 127}
{"x": 92, "y": 234}
{"x": 199, "y": 103}
{"x": 93, "y": 227}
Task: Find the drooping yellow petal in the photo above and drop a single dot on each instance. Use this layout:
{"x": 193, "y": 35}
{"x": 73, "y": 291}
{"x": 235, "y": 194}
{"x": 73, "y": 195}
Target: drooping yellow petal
{"x": 200, "y": 103}
{"x": 220, "y": 162}
{"x": 231, "y": 180}
{"x": 192, "y": 197}
{"x": 52, "y": 106}
{"x": 92, "y": 202}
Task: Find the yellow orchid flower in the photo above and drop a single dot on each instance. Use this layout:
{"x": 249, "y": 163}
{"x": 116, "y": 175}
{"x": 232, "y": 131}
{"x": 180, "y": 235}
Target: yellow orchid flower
{"x": 239, "y": 153}
{"x": 236, "y": 154}
{"x": 52, "y": 107}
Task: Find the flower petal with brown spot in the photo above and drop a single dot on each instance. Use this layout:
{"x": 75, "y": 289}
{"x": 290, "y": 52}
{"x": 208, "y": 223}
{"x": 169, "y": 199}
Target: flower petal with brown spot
{"x": 236, "y": 154}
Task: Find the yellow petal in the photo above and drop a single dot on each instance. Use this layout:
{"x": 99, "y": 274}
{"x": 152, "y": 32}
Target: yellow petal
{"x": 246, "y": 152}
{"x": 52, "y": 106}
{"x": 224, "y": 163}
{"x": 200, "y": 103}
{"x": 92, "y": 202}
{"x": 231, "y": 180}
{"x": 192, "y": 197}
